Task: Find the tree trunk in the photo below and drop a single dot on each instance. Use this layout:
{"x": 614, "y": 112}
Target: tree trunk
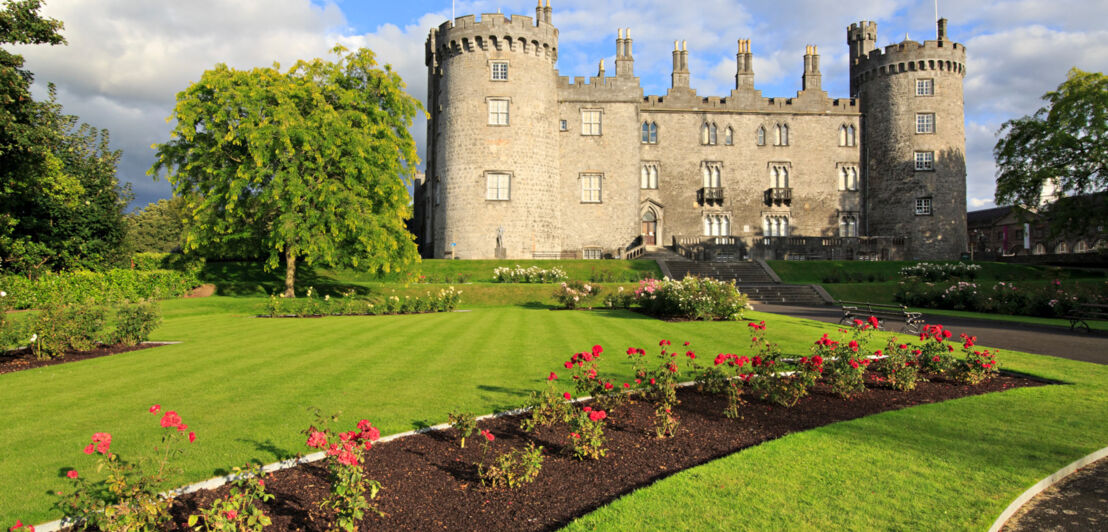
{"x": 290, "y": 272}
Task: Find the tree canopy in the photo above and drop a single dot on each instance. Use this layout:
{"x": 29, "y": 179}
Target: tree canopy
{"x": 1064, "y": 144}
{"x": 312, "y": 162}
{"x": 60, "y": 204}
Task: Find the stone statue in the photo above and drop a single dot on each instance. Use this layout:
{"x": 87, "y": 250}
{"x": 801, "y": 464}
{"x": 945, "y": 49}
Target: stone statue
{"x": 500, "y": 236}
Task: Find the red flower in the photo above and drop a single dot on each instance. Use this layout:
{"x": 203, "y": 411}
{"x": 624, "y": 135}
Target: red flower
{"x": 364, "y": 425}
{"x": 651, "y": 381}
{"x": 663, "y": 342}
{"x": 854, "y": 363}
{"x": 348, "y": 458}
{"x": 72, "y": 473}
{"x": 686, "y": 344}
{"x": 574, "y": 434}
{"x": 642, "y": 352}
{"x": 182, "y": 427}
{"x": 488, "y": 435}
{"x": 854, "y": 345}
{"x": 192, "y": 437}
{"x": 638, "y": 381}
{"x": 566, "y": 395}
{"x": 626, "y": 385}
{"x": 873, "y": 321}
{"x": 587, "y": 409}
{"x": 596, "y": 350}
{"x": 630, "y": 351}
{"x": 317, "y": 440}
{"x": 568, "y": 364}
{"x": 371, "y": 434}
{"x": 231, "y": 514}
{"x": 103, "y": 442}
{"x": 171, "y": 419}
{"x": 690, "y": 354}
{"x": 946, "y": 334}
{"x": 89, "y": 449}
{"x": 608, "y": 386}
{"x": 597, "y": 415}
{"x": 935, "y": 358}
{"x": 155, "y": 409}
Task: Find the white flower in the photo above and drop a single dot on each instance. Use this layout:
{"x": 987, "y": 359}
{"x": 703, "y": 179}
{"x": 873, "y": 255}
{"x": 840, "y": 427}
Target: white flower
{"x": 3, "y": 293}
{"x": 33, "y": 338}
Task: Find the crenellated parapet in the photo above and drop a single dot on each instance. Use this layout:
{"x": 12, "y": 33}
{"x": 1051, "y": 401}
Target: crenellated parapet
{"x": 737, "y": 103}
{"x": 493, "y": 31}
{"x": 868, "y": 62}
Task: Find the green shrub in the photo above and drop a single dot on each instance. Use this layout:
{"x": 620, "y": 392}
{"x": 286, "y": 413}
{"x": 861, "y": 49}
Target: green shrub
{"x": 150, "y": 261}
{"x": 85, "y": 287}
{"x": 693, "y": 298}
{"x": 135, "y": 322}
{"x": 576, "y": 294}
{"x": 58, "y": 329}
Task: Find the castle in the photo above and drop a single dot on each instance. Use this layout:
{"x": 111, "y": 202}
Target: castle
{"x": 524, "y": 163}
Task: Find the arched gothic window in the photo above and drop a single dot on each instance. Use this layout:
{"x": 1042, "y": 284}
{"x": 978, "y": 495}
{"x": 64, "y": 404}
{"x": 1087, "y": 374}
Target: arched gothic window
{"x": 779, "y": 177}
{"x": 781, "y": 135}
{"x": 649, "y": 177}
{"x": 760, "y": 136}
{"x": 728, "y": 136}
{"x": 649, "y": 133}
{"x": 776, "y": 225}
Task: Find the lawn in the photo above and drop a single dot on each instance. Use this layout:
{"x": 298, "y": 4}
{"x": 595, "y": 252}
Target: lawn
{"x": 244, "y": 385}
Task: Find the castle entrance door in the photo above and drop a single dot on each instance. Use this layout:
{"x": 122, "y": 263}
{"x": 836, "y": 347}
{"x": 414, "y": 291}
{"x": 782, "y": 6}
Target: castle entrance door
{"x": 649, "y": 228}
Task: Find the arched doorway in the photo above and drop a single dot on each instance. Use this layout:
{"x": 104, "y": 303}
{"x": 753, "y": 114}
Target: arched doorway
{"x": 649, "y": 228}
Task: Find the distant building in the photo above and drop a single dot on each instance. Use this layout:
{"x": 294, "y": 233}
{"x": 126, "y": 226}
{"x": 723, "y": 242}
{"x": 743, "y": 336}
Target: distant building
{"x": 524, "y": 163}
{"x": 1013, "y": 231}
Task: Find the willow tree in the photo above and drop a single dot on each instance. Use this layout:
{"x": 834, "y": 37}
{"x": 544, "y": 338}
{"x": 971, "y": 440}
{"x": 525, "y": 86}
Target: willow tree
{"x": 312, "y": 162}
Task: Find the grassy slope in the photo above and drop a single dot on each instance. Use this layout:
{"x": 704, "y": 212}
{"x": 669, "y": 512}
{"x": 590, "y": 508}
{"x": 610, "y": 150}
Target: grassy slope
{"x": 243, "y": 384}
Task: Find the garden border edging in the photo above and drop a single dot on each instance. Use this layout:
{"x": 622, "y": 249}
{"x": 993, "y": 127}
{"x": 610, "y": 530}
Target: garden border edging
{"x": 1043, "y": 484}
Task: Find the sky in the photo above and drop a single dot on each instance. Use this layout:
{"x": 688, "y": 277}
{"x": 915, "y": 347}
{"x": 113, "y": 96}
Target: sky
{"x": 127, "y": 59}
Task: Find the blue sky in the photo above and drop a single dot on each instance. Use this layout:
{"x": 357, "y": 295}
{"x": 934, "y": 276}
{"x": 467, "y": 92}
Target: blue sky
{"x": 127, "y": 59}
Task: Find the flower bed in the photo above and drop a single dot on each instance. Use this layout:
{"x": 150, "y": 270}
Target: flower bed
{"x": 533, "y": 274}
{"x": 940, "y": 272}
{"x": 1053, "y": 301}
{"x": 693, "y": 298}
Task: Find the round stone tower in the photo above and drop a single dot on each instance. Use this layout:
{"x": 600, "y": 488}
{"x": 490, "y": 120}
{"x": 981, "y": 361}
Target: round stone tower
{"x": 492, "y": 152}
{"x": 914, "y": 140}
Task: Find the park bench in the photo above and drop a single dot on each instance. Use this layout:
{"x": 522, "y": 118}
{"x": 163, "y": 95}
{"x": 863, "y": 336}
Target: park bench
{"x": 1087, "y": 311}
{"x": 857, "y": 310}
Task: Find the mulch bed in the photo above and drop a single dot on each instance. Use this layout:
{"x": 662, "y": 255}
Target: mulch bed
{"x": 22, "y": 359}
{"x": 430, "y": 483}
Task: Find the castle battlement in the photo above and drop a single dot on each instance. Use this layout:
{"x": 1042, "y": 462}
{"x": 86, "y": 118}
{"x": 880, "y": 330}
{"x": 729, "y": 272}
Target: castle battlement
{"x": 517, "y": 33}
{"x": 757, "y": 105}
{"x": 867, "y": 61}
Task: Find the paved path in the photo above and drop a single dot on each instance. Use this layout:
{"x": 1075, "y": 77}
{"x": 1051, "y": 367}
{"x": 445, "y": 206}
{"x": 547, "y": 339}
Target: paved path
{"x": 1078, "y": 502}
{"x": 1038, "y": 339}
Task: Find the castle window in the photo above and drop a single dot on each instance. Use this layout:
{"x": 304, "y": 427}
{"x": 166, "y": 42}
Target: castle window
{"x": 925, "y": 87}
{"x": 498, "y": 111}
{"x": 848, "y": 226}
{"x": 593, "y": 253}
{"x": 649, "y": 176}
{"x": 649, "y": 133}
{"x": 923, "y": 206}
{"x": 590, "y": 121}
{"x": 728, "y": 136}
{"x": 925, "y": 161}
{"x": 779, "y": 176}
{"x": 1080, "y": 247}
{"x": 1039, "y": 249}
{"x": 925, "y": 122}
{"x": 760, "y": 136}
{"x": 717, "y": 225}
{"x": 590, "y": 188}
{"x": 1061, "y": 248}
{"x": 777, "y": 225}
{"x": 711, "y": 174}
{"x": 847, "y": 136}
{"x": 848, "y": 178}
{"x": 708, "y": 134}
{"x": 500, "y": 71}
{"x": 781, "y": 135}
{"x": 498, "y": 186}
{"x": 563, "y": 125}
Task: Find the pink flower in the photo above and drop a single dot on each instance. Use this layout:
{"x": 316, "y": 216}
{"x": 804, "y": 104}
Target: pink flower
{"x": 231, "y": 514}
{"x": 566, "y": 395}
{"x": 171, "y": 419}
{"x": 317, "y": 440}
{"x": 488, "y": 435}
{"x": 155, "y": 409}
{"x": 553, "y": 376}
{"x": 72, "y": 473}
{"x": 364, "y": 425}
{"x": 348, "y": 458}
{"x": 192, "y": 437}
{"x": 371, "y": 434}
{"x": 182, "y": 427}
{"x": 90, "y": 448}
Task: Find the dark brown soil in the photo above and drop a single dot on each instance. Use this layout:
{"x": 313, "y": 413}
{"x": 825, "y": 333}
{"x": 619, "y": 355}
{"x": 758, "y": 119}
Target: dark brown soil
{"x": 430, "y": 483}
{"x": 22, "y": 359}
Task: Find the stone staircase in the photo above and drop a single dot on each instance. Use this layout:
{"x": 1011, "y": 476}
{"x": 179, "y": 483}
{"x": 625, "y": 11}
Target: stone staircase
{"x": 751, "y": 279}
